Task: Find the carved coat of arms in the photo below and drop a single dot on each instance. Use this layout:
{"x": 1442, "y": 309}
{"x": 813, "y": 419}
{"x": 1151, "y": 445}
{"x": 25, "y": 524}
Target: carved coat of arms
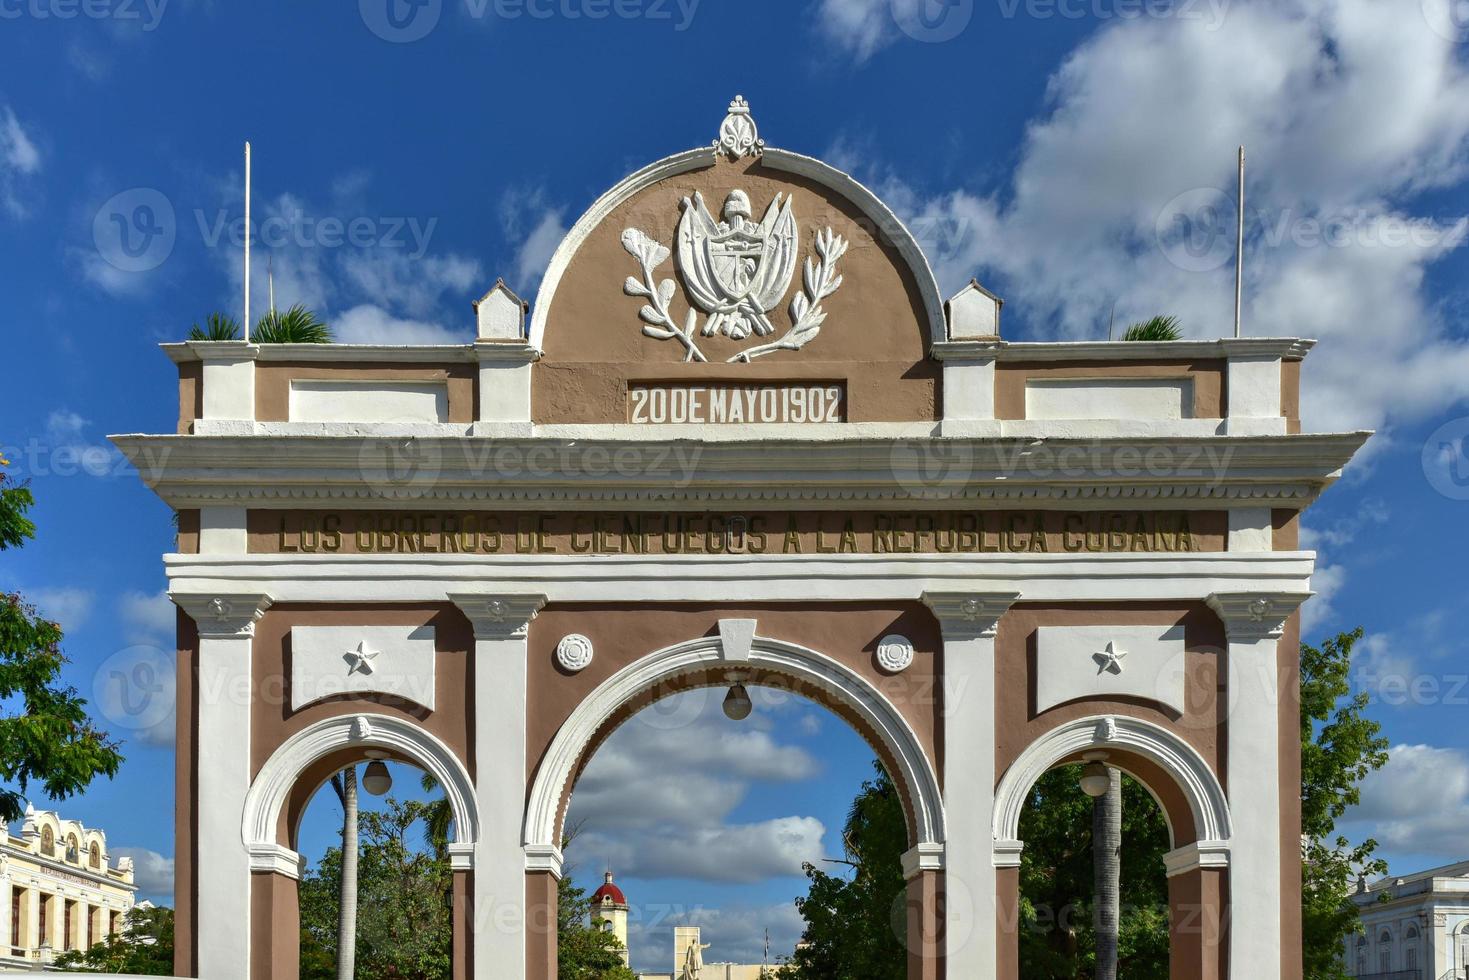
{"x": 734, "y": 269}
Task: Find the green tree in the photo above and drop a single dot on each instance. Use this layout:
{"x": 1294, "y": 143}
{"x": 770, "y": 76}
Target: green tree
{"x": 298, "y": 325}
{"x": 217, "y": 326}
{"x": 45, "y": 734}
{"x": 584, "y": 953}
{"x": 144, "y": 947}
{"x": 854, "y": 921}
{"x": 1339, "y": 747}
{"x": 1156, "y": 328}
{"x": 404, "y": 920}
{"x": 1057, "y": 882}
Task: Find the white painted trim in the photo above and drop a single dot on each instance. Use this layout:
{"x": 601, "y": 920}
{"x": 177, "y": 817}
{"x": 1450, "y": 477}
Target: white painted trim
{"x": 544, "y": 857}
{"x": 1196, "y": 855}
{"x": 566, "y": 753}
{"x": 755, "y": 578}
{"x": 1251, "y": 529}
{"x": 272, "y": 786}
{"x": 889, "y": 227}
{"x": 1059, "y": 470}
{"x": 277, "y": 859}
{"x": 222, "y": 531}
{"x": 921, "y": 858}
{"x": 1206, "y": 798}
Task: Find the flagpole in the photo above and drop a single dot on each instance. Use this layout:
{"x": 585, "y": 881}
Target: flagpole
{"x": 247, "y": 241}
{"x": 1239, "y": 254}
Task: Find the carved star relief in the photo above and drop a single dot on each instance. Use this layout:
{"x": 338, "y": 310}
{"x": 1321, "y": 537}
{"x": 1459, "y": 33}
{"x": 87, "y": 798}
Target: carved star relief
{"x": 1109, "y": 661}
{"x": 361, "y": 659}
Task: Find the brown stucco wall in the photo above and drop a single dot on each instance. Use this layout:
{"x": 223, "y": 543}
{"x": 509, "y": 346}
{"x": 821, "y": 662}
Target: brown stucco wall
{"x": 847, "y": 633}
{"x": 1290, "y": 394}
{"x": 273, "y": 383}
{"x": 875, "y": 337}
{"x": 1207, "y": 375}
{"x": 273, "y": 721}
{"x": 275, "y": 927}
{"x": 191, "y": 395}
{"x": 1289, "y": 662}
{"x": 185, "y": 820}
{"x": 1018, "y": 724}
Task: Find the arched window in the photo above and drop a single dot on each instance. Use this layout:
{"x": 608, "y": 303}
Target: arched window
{"x": 1384, "y": 952}
{"x": 94, "y": 856}
{"x": 1410, "y": 948}
{"x": 73, "y": 849}
{"x": 1361, "y": 956}
{"x": 48, "y": 842}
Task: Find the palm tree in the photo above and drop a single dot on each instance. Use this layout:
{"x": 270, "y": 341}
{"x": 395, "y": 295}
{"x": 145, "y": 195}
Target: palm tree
{"x": 345, "y": 783}
{"x": 298, "y": 325}
{"x": 438, "y": 819}
{"x": 217, "y": 326}
{"x": 1107, "y": 873}
{"x": 1157, "y": 328}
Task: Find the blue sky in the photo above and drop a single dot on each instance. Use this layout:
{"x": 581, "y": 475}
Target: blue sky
{"x": 1047, "y": 146}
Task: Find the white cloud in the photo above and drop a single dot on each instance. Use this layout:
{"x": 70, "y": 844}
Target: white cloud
{"x": 656, "y": 798}
{"x": 526, "y": 216}
{"x": 371, "y": 276}
{"x": 734, "y": 853}
{"x": 1418, "y": 803}
{"x": 1348, "y": 109}
{"x": 152, "y": 872}
{"x": 19, "y": 159}
{"x": 1318, "y": 612}
{"x": 368, "y": 324}
{"x": 735, "y": 933}
{"x": 147, "y": 618}
{"x": 67, "y": 450}
{"x": 67, "y": 605}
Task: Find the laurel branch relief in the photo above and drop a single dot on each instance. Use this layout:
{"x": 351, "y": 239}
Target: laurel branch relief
{"x": 736, "y": 271}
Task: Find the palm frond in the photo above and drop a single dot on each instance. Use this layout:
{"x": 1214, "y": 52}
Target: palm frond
{"x": 217, "y": 326}
{"x": 1157, "y": 328}
{"x": 298, "y": 325}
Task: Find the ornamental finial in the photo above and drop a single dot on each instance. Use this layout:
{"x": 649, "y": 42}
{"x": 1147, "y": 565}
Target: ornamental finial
{"x": 738, "y": 135}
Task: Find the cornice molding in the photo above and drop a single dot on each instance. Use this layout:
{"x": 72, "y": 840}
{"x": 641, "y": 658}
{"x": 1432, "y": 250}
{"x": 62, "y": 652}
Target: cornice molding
{"x": 223, "y": 615}
{"x": 1168, "y": 472}
{"x": 923, "y": 857}
{"x": 499, "y": 616}
{"x": 969, "y": 615}
{"x": 1251, "y": 616}
{"x": 544, "y": 857}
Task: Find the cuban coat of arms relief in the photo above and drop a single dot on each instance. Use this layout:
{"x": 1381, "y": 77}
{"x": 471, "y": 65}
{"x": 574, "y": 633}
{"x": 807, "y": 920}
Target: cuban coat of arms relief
{"x": 735, "y": 270}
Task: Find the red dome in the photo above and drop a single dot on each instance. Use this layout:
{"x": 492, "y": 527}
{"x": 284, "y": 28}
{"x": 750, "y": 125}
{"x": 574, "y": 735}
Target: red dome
{"x": 609, "y": 890}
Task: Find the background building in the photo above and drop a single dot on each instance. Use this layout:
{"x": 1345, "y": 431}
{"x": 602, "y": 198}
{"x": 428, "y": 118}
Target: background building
{"x": 609, "y": 908}
{"x": 1414, "y": 926}
{"x": 64, "y": 894}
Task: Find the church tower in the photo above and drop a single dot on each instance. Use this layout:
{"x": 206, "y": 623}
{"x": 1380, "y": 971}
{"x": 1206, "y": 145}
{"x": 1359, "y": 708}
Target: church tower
{"x": 609, "y": 912}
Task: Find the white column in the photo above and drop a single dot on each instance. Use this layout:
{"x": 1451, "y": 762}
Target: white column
{"x": 970, "y": 621}
{"x": 222, "y": 891}
{"x": 501, "y": 627}
{"x": 504, "y": 381}
{"x": 1254, "y": 622}
{"x": 228, "y": 379}
{"x": 31, "y": 920}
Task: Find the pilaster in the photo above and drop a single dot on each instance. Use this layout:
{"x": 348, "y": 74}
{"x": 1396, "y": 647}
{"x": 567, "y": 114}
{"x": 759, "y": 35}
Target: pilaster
{"x": 501, "y": 630}
{"x": 226, "y": 625}
{"x": 969, "y": 622}
{"x": 1253, "y": 623}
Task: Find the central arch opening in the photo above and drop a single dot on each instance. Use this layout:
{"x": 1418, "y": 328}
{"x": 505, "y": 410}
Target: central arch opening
{"x": 654, "y": 706}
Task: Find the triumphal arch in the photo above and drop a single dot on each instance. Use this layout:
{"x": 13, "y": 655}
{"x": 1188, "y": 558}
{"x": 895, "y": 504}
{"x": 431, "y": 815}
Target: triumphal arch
{"x": 741, "y": 437}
